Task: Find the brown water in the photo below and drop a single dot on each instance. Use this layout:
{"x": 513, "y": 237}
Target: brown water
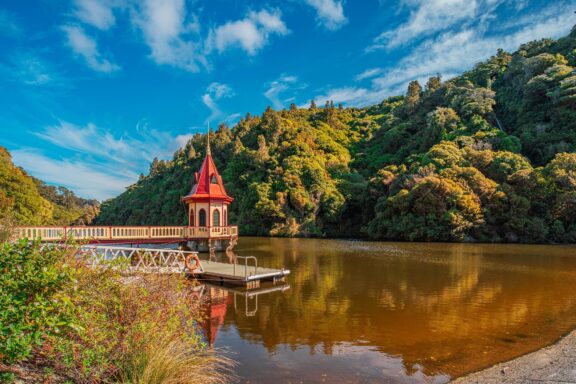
{"x": 369, "y": 312}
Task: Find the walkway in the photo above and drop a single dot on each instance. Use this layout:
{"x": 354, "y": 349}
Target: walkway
{"x": 554, "y": 364}
{"x": 123, "y": 234}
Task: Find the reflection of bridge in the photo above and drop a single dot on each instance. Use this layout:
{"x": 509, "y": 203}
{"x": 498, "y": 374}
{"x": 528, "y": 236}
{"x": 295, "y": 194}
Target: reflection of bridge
{"x": 215, "y": 302}
{"x": 124, "y": 235}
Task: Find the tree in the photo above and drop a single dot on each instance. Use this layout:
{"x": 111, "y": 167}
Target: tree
{"x": 413, "y": 94}
{"x": 433, "y": 83}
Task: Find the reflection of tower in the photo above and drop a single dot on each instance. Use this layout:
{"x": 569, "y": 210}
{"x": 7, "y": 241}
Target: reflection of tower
{"x": 214, "y": 304}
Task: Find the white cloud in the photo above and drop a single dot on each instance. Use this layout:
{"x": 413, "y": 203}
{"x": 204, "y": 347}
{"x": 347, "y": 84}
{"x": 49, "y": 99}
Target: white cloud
{"x": 352, "y": 96}
{"x": 85, "y": 178}
{"x": 182, "y": 140}
{"x": 430, "y": 16}
{"x": 170, "y": 33}
{"x": 103, "y": 163}
{"x": 215, "y": 92}
{"x": 450, "y": 54}
{"x": 276, "y": 87}
{"x": 250, "y": 34}
{"x": 30, "y": 69}
{"x": 330, "y": 13}
{"x": 368, "y": 74}
{"x": 97, "y": 13}
{"x": 86, "y": 47}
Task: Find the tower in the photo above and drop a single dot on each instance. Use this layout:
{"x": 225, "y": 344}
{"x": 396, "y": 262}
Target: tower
{"x": 208, "y": 201}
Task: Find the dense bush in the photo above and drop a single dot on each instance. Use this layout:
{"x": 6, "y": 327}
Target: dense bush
{"x": 34, "y": 304}
{"x": 93, "y": 325}
{"x": 484, "y": 156}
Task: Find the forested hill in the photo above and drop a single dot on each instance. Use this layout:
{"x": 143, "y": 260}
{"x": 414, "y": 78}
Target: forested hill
{"x": 25, "y": 200}
{"x": 486, "y": 156}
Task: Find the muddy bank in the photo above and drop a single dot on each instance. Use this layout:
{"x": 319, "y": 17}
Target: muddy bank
{"x": 553, "y": 364}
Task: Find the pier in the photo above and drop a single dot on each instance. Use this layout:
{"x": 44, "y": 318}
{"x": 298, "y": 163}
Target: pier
{"x": 243, "y": 271}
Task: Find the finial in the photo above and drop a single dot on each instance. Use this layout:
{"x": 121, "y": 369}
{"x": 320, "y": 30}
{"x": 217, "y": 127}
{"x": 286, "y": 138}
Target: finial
{"x": 208, "y": 151}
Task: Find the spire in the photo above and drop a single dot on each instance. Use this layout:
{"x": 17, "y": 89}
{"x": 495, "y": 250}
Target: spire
{"x": 208, "y": 151}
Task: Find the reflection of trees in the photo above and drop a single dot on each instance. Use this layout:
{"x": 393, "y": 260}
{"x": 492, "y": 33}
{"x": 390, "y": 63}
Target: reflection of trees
{"x": 451, "y": 308}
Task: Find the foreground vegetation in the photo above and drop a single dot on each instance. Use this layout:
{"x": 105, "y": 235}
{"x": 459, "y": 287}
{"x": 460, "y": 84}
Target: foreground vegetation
{"x": 26, "y": 200}
{"x": 61, "y": 321}
{"x": 486, "y": 156}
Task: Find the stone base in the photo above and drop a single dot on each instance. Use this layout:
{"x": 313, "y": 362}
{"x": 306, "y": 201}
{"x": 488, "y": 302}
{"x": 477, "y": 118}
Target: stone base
{"x": 209, "y": 246}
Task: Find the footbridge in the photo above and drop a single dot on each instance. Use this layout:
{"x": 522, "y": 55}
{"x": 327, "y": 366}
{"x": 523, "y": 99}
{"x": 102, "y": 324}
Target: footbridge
{"x": 125, "y": 234}
{"x": 242, "y": 271}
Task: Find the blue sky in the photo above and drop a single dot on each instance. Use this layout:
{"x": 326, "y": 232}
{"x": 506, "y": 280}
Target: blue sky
{"x": 93, "y": 90}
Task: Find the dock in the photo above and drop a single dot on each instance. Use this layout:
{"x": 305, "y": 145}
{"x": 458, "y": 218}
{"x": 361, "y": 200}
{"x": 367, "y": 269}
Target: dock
{"x": 236, "y": 274}
{"x": 243, "y": 272}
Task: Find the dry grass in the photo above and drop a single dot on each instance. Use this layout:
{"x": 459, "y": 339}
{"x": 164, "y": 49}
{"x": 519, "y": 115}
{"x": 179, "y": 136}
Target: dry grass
{"x": 173, "y": 362}
{"x": 138, "y": 330}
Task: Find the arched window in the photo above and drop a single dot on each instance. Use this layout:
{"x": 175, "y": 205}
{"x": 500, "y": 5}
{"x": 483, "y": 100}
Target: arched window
{"x": 216, "y": 218}
{"x": 214, "y": 179}
{"x": 202, "y": 217}
{"x": 191, "y": 218}
{"x": 225, "y": 221}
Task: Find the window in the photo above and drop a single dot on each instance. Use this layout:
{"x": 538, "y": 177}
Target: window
{"x": 191, "y": 218}
{"x": 225, "y": 221}
{"x": 216, "y": 218}
{"x": 202, "y": 217}
{"x": 214, "y": 179}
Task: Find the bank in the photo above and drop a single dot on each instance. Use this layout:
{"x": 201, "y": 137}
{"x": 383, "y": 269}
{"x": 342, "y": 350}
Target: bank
{"x": 553, "y": 364}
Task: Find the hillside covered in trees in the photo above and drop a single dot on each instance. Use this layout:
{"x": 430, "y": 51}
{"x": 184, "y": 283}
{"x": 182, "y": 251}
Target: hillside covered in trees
{"x": 25, "y": 200}
{"x": 486, "y": 156}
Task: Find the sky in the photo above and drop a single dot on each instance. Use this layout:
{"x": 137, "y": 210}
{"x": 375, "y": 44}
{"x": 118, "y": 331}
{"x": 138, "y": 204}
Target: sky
{"x": 93, "y": 90}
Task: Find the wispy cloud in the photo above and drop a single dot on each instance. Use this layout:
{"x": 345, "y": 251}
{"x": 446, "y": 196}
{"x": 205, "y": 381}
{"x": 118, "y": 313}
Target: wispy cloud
{"x": 215, "y": 92}
{"x": 102, "y": 163}
{"x": 171, "y": 33}
{"x": 97, "y": 13}
{"x": 85, "y": 178}
{"x": 251, "y": 33}
{"x": 430, "y": 16}
{"x": 87, "y": 48}
{"x": 368, "y": 74}
{"x": 329, "y": 13}
{"x": 29, "y": 69}
{"x": 280, "y": 85}
{"x": 451, "y": 53}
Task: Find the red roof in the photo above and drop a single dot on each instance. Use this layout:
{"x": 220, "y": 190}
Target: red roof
{"x": 208, "y": 183}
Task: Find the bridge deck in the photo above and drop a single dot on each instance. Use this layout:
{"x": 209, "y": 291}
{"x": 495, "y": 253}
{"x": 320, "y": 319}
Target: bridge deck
{"x": 125, "y": 234}
{"x": 244, "y": 272}
{"x": 238, "y": 274}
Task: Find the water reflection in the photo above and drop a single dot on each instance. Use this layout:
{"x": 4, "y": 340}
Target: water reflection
{"x": 367, "y": 312}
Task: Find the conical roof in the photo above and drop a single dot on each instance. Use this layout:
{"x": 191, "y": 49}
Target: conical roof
{"x": 208, "y": 184}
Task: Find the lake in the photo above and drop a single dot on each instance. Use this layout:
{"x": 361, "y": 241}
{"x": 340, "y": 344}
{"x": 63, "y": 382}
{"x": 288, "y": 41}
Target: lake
{"x": 372, "y": 312}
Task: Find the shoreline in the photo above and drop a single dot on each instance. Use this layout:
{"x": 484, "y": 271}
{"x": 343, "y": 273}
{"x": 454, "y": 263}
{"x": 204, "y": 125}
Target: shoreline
{"x": 555, "y": 363}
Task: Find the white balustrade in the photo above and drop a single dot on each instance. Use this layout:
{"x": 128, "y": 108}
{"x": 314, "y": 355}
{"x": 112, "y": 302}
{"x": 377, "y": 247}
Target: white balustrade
{"x": 111, "y": 233}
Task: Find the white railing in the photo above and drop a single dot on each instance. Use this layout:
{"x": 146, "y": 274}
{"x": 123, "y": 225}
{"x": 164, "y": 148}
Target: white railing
{"x": 111, "y": 233}
{"x": 134, "y": 259}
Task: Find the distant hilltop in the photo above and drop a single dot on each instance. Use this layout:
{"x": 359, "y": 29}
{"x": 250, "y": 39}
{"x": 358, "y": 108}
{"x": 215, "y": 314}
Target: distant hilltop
{"x": 486, "y": 156}
{"x": 25, "y": 200}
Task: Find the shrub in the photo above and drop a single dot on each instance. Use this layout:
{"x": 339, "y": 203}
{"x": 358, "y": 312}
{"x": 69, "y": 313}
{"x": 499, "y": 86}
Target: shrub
{"x": 33, "y": 301}
{"x": 96, "y": 325}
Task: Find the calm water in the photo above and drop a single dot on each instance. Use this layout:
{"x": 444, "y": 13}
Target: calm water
{"x": 363, "y": 312}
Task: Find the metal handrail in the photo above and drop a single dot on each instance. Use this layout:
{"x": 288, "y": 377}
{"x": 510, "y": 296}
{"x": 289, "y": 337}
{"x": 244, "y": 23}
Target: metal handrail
{"x": 246, "y": 258}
